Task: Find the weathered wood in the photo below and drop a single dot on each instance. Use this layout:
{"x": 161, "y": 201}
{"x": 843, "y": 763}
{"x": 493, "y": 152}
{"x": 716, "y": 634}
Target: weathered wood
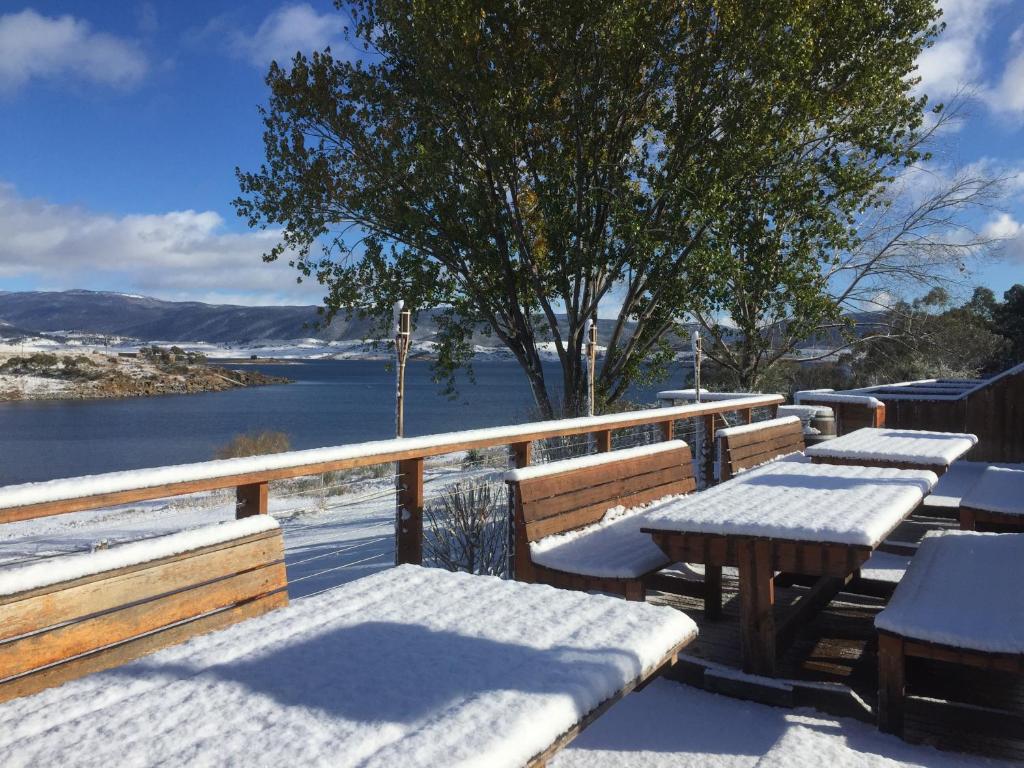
{"x": 757, "y": 600}
{"x": 667, "y": 430}
{"x": 891, "y": 683}
{"x": 67, "y": 601}
{"x": 522, "y": 454}
{"x": 509, "y": 436}
{"x": 748, "y": 449}
{"x": 603, "y": 440}
{"x": 409, "y": 523}
{"x": 114, "y": 656}
{"x": 252, "y": 499}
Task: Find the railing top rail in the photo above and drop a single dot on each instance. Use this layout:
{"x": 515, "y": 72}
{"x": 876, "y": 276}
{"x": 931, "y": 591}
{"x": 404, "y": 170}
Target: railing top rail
{"x": 52, "y": 497}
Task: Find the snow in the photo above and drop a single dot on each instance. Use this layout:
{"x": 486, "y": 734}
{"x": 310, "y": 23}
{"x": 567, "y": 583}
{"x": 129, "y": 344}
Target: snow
{"x": 669, "y": 725}
{"x": 593, "y": 460}
{"x": 831, "y": 396}
{"x": 412, "y": 667}
{"x": 75, "y": 566}
{"x": 909, "y": 446}
{"x": 998, "y": 490}
{"x": 757, "y": 426}
{"x": 961, "y": 590}
{"x": 958, "y": 480}
{"x": 885, "y": 566}
{"x": 705, "y": 395}
{"x": 804, "y": 412}
{"x": 614, "y": 547}
{"x": 112, "y": 482}
{"x": 801, "y": 502}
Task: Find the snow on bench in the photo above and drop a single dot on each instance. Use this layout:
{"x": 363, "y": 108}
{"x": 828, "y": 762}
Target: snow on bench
{"x": 997, "y": 490}
{"x": 411, "y": 667}
{"x": 571, "y": 524}
{"x": 954, "y": 593}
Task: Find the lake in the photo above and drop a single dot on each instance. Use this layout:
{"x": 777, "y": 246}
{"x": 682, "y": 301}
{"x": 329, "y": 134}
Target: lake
{"x": 331, "y": 402}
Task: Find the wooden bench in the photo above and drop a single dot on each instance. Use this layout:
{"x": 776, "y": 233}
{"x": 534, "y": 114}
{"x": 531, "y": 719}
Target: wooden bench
{"x": 72, "y": 615}
{"x": 995, "y": 502}
{"x": 749, "y": 445}
{"x": 574, "y": 495}
{"x": 951, "y": 607}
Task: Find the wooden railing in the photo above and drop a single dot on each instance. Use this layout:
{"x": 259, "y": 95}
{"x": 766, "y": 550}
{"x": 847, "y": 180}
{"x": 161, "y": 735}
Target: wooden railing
{"x": 250, "y": 477}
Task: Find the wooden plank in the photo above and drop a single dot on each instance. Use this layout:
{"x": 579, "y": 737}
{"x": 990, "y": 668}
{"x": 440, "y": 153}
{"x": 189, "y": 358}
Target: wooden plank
{"x": 36, "y": 610}
{"x": 938, "y": 469}
{"x": 409, "y": 523}
{"x": 774, "y": 446}
{"x": 252, "y": 499}
{"x": 603, "y": 440}
{"x": 31, "y": 652}
{"x": 528, "y": 433}
{"x": 584, "y": 495}
{"x": 569, "y": 480}
{"x": 578, "y": 518}
{"x": 757, "y": 598}
{"x": 122, "y": 653}
{"x": 522, "y": 454}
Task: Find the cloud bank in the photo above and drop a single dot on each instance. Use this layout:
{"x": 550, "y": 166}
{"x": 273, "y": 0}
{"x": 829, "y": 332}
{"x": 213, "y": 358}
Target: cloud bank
{"x": 36, "y": 47}
{"x": 287, "y": 30}
{"x": 174, "y": 255}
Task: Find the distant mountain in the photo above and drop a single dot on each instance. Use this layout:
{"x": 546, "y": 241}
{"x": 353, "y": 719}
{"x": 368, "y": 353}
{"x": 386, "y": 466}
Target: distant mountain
{"x": 148, "y": 319}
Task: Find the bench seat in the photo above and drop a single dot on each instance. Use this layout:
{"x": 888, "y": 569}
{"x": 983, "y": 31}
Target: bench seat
{"x": 613, "y": 548}
{"x": 408, "y": 667}
{"x": 995, "y": 502}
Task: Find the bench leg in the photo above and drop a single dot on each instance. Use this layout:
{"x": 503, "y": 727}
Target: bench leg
{"x": 713, "y": 591}
{"x": 757, "y": 601}
{"x": 636, "y": 591}
{"x": 891, "y": 684}
{"x": 968, "y": 522}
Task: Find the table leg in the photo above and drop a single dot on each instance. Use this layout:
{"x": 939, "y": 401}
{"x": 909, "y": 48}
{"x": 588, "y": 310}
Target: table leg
{"x": 713, "y": 591}
{"x": 757, "y": 599}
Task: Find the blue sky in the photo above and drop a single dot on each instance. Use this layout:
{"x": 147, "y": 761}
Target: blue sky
{"x": 122, "y": 124}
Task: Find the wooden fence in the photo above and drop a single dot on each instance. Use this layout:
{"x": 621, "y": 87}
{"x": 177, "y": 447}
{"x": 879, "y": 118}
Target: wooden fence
{"x": 250, "y": 477}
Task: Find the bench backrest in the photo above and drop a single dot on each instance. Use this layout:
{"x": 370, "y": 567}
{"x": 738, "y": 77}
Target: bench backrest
{"x": 747, "y": 446}
{"x": 128, "y": 604}
{"x": 566, "y": 495}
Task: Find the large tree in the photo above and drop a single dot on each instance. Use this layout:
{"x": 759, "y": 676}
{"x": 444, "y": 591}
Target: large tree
{"x": 513, "y": 162}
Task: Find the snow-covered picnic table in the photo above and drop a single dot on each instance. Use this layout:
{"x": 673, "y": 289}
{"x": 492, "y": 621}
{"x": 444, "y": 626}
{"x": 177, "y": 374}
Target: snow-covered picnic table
{"x": 995, "y": 502}
{"x": 816, "y": 519}
{"x": 411, "y": 667}
{"x": 899, "y": 448}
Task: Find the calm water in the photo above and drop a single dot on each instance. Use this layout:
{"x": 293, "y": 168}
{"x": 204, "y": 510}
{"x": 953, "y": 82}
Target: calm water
{"x": 331, "y": 402}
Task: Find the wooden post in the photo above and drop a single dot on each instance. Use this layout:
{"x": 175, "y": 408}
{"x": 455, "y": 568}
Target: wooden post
{"x": 712, "y": 591}
{"x": 409, "y": 518}
{"x": 603, "y": 438}
{"x": 747, "y": 415}
{"x": 757, "y": 600}
{"x": 666, "y": 429}
{"x": 591, "y": 364}
{"x": 879, "y": 416}
{"x": 518, "y": 564}
{"x": 522, "y": 454}
{"x": 707, "y": 460}
{"x": 892, "y": 683}
{"x": 251, "y": 500}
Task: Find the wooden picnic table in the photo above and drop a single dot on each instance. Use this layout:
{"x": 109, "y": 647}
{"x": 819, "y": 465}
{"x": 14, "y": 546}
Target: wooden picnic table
{"x": 896, "y": 448}
{"x": 411, "y": 666}
{"x": 787, "y": 516}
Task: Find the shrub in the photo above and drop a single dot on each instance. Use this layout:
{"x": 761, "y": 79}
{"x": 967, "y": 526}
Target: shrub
{"x": 468, "y": 529}
{"x": 254, "y": 444}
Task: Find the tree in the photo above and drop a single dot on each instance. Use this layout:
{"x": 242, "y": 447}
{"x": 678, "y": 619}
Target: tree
{"x": 514, "y": 162}
{"x": 1008, "y": 319}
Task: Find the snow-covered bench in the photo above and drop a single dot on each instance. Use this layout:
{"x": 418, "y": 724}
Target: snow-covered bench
{"x": 71, "y": 615}
{"x": 957, "y": 603}
{"x": 748, "y": 445}
{"x": 408, "y": 667}
{"x": 995, "y": 502}
{"x": 564, "y": 534}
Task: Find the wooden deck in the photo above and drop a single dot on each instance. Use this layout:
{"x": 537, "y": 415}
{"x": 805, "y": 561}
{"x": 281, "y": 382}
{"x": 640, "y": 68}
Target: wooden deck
{"x": 832, "y": 666}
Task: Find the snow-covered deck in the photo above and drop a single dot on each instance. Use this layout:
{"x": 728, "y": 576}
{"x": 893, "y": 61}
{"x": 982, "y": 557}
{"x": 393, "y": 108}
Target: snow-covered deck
{"x": 411, "y": 667}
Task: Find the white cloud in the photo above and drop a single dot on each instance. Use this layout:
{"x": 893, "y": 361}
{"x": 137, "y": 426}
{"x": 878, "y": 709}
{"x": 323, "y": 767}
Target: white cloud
{"x": 175, "y": 255}
{"x": 1006, "y": 228}
{"x": 956, "y": 58}
{"x": 287, "y": 30}
{"x": 1007, "y": 95}
{"x": 35, "y": 46}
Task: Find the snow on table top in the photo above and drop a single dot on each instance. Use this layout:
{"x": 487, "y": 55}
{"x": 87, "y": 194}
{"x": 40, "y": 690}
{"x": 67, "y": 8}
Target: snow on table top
{"x": 113, "y": 482}
{"x": 910, "y": 446}
{"x": 614, "y": 547}
{"x": 411, "y": 666}
{"x": 53, "y": 570}
{"x": 805, "y": 412}
{"x": 997, "y": 490}
{"x": 757, "y": 426}
{"x": 800, "y": 502}
{"x": 961, "y": 590}
{"x": 593, "y": 460}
